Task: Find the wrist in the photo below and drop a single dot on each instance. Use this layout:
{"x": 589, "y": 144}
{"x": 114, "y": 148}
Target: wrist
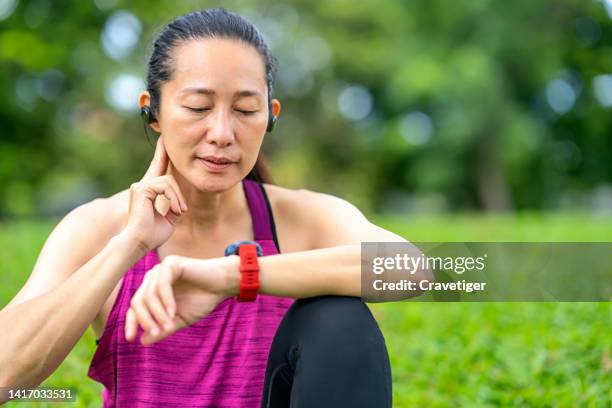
{"x": 129, "y": 241}
{"x": 232, "y": 275}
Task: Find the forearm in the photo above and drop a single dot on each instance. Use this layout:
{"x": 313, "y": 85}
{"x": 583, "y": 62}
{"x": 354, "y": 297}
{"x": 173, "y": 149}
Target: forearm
{"x": 328, "y": 271}
{"x": 39, "y": 333}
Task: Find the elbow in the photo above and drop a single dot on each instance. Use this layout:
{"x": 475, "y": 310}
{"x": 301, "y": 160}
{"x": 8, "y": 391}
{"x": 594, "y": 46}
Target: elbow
{"x": 6, "y": 382}
{"x": 15, "y": 374}
{"x": 8, "y": 378}
{"x": 7, "y": 374}
{"x": 5, "y": 377}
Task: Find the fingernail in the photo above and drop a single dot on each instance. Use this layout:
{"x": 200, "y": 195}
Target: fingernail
{"x": 154, "y": 332}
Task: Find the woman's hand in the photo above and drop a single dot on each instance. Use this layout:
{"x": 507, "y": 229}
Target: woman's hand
{"x": 156, "y": 203}
{"x": 177, "y": 293}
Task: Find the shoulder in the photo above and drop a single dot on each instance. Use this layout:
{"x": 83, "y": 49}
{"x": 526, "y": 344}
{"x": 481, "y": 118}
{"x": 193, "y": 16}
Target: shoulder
{"x": 83, "y": 232}
{"x": 317, "y": 218}
{"x": 325, "y": 220}
{"x": 96, "y": 221}
{"x": 78, "y": 237}
{"x": 108, "y": 213}
{"x": 302, "y": 203}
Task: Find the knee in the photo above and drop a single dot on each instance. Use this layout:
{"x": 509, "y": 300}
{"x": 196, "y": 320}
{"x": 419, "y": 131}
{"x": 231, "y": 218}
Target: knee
{"x": 333, "y": 322}
{"x": 335, "y": 353}
{"x": 339, "y": 334}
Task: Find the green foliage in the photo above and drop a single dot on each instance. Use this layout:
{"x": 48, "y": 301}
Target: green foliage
{"x": 456, "y": 354}
{"x": 478, "y": 72}
{"x": 498, "y": 354}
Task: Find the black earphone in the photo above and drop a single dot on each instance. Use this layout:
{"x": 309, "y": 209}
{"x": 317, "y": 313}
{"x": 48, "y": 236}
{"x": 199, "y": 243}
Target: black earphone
{"x": 148, "y": 117}
{"x": 272, "y": 119}
{"x": 146, "y": 114}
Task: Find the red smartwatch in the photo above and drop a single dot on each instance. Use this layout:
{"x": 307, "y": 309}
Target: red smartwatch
{"x": 249, "y": 269}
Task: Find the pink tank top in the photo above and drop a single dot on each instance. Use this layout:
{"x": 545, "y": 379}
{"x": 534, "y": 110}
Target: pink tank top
{"x": 219, "y": 361}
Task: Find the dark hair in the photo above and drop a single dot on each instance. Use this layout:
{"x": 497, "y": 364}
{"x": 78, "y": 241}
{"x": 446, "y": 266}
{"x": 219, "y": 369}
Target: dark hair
{"x": 211, "y": 23}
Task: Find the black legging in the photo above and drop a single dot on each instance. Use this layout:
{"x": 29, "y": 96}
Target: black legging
{"x": 328, "y": 352}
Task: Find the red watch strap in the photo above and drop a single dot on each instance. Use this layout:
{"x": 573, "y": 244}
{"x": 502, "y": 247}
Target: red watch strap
{"x": 249, "y": 273}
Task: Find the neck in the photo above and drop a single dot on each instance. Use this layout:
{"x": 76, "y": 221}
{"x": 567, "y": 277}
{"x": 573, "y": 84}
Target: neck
{"x": 208, "y": 210}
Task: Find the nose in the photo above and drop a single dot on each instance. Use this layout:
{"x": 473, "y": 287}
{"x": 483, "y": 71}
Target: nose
{"x": 220, "y": 132}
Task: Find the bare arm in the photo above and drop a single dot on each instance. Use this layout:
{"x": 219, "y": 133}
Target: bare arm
{"x": 82, "y": 261}
{"x": 48, "y": 316}
{"x": 40, "y": 332}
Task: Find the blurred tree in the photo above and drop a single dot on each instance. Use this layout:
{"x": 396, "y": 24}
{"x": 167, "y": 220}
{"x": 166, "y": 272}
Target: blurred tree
{"x": 395, "y": 105}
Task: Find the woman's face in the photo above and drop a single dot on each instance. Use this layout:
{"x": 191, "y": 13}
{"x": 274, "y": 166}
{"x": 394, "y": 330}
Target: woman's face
{"x": 214, "y": 112}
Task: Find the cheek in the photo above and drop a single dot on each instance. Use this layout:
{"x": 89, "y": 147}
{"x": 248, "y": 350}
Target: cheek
{"x": 256, "y": 131}
{"x": 180, "y": 146}
{"x": 176, "y": 154}
{"x": 251, "y": 145}
{"x": 181, "y": 137}
{"x": 181, "y": 127}
{"x": 176, "y": 121}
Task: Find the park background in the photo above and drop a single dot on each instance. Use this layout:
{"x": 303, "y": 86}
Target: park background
{"x": 442, "y": 121}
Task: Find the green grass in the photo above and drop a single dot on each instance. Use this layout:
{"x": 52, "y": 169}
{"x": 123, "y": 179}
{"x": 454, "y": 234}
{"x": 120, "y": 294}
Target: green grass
{"x": 499, "y": 354}
{"x": 442, "y": 354}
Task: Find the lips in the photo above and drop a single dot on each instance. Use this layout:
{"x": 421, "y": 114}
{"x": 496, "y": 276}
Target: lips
{"x": 217, "y": 159}
{"x": 216, "y": 163}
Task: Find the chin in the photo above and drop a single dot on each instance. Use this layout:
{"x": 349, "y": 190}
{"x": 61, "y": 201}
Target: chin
{"x": 215, "y": 183}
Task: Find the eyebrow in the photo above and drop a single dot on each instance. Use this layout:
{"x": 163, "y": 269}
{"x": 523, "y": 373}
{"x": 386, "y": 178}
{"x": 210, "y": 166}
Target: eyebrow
{"x": 210, "y": 92}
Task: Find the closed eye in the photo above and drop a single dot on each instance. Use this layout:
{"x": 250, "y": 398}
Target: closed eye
{"x": 197, "y": 110}
{"x": 200, "y": 110}
{"x": 245, "y": 112}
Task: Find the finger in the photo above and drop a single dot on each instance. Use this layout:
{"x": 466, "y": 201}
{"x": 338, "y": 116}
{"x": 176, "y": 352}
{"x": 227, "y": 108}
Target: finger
{"x": 175, "y": 203}
{"x": 162, "y": 205}
{"x": 142, "y": 312}
{"x": 148, "y": 339}
{"x": 151, "y": 189}
{"x": 148, "y": 191}
{"x": 159, "y": 164}
{"x": 154, "y": 303}
{"x": 164, "y": 288}
{"x": 172, "y": 218}
{"x": 162, "y": 186}
{"x": 131, "y": 325}
{"x": 170, "y": 201}
{"x": 145, "y": 320}
{"x": 177, "y": 324}
{"x": 171, "y": 191}
{"x": 178, "y": 191}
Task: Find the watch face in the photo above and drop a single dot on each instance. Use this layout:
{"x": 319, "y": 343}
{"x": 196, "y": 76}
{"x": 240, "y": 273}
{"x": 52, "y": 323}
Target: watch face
{"x": 232, "y": 249}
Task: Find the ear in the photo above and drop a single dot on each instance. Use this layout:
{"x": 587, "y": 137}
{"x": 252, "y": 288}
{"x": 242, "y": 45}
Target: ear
{"x": 144, "y": 99}
{"x": 276, "y": 107}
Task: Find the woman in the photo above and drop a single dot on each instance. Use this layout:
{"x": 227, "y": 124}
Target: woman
{"x": 171, "y": 332}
